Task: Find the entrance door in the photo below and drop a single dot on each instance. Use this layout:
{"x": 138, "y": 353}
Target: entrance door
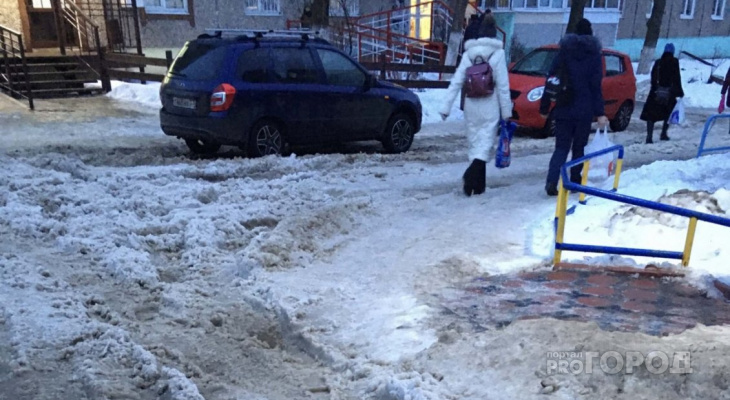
{"x": 43, "y": 31}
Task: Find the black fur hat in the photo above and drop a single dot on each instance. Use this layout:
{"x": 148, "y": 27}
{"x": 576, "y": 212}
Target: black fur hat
{"x": 584, "y": 27}
{"x": 488, "y": 26}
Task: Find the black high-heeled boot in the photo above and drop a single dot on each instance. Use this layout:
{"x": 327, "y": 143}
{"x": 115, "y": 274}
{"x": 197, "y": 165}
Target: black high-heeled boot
{"x": 664, "y": 132}
{"x": 649, "y": 132}
{"x": 475, "y": 178}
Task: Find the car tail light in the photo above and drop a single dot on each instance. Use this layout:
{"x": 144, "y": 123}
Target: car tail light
{"x": 222, "y": 97}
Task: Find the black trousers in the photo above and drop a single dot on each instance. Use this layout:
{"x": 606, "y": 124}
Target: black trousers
{"x": 570, "y": 136}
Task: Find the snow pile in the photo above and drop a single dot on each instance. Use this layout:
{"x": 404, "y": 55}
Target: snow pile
{"x": 147, "y": 95}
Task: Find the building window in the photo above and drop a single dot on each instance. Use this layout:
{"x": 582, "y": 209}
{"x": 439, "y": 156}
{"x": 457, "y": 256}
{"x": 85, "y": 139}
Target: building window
{"x": 494, "y": 4}
{"x": 688, "y": 10}
{"x": 337, "y": 8}
{"x": 263, "y": 7}
{"x": 603, "y": 4}
{"x": 538, "y": 4}
{"x": 166, "y": 6}
{"x": 718, "y": 11}
{"x": 41, "y": 4}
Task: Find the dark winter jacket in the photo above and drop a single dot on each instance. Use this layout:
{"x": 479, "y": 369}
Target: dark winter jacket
{"x": 665, "y": 72}
{"x": 582, "y": 57}
{"x": 725, "y": 86}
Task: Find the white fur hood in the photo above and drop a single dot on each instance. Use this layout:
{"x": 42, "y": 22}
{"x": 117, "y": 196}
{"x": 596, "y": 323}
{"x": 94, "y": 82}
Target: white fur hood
{"x": 482, "y": 47}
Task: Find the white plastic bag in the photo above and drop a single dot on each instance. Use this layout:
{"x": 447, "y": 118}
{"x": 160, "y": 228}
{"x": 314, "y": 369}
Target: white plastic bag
{"x": 604, "y": 165}
{"x": 677, "y": 115}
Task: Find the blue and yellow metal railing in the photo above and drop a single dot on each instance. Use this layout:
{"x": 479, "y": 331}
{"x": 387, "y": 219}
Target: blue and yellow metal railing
{"x": 561, "y": 212}
{"x": 708, "y": 125}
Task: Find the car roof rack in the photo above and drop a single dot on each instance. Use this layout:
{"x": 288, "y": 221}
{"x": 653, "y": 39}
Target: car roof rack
{"x": 255, "y": 34}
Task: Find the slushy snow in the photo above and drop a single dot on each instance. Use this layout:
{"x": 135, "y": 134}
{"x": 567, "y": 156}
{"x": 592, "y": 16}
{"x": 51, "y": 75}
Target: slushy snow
{"x": 132, "y": 269}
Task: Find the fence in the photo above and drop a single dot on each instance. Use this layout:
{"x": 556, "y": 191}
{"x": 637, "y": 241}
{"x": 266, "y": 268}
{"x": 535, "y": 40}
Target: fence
{"x": 562, "y": 205}
{"x": 14, "y": 65}
{"x": 708, "y": 126}
{"x": 118, "y": 66}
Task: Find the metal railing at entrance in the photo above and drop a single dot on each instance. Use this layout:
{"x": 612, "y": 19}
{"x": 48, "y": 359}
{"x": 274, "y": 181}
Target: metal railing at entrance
{"x": 562, "y": 206}
{"x": 14, "y": 76}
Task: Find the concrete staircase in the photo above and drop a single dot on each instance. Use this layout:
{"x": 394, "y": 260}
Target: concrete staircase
{"x": 50, "y": 76}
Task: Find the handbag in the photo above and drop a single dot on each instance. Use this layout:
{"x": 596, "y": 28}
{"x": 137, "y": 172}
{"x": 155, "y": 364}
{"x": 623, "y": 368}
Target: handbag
{"x": 663, "y": 94}
{"x": 557, "y": 89}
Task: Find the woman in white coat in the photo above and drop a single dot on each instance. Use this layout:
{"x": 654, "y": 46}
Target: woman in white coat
{"x": 482, "y": 115}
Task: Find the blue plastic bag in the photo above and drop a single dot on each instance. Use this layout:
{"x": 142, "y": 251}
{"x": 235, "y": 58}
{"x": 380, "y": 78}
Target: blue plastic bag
{"x": 503, "y": 156}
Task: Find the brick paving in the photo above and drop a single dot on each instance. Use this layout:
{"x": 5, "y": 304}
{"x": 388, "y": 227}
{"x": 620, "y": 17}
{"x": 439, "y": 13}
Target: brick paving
{"x": 615, "y": 301}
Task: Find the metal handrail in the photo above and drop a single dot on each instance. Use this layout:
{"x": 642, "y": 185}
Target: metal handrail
{"x": 86, "y": 28}
{"x": 706, "y": 130}
{"x": 10, "y": 52}
{"x": 561, "y": 212}
{"x": 79, "y": 12}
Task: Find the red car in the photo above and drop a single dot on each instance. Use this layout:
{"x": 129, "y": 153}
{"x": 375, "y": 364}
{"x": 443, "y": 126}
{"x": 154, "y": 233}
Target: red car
{"x": 527, "y": 81}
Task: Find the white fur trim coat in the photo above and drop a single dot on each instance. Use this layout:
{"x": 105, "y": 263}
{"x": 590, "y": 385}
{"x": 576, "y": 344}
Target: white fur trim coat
{"x": 482, "y": 115}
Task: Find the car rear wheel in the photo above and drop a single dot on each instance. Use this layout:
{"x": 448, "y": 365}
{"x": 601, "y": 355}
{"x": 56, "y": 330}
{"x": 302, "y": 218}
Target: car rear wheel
{"x": 266, "y": 138}
{"x": 399, "y": 133}
{"x": 622, "y": 118}
{"x": 199, "y": 146}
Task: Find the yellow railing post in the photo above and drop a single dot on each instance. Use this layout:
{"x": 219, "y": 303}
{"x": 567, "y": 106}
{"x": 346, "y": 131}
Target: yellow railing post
{"x": 689, "y": 241}
{"x": 584, "y": 180}
{"x": 560, "y": 212}
{"x": 617, "y": 175}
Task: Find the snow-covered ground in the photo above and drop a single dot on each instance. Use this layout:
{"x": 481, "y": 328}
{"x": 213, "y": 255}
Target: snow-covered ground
{"x": 131, "y": 270}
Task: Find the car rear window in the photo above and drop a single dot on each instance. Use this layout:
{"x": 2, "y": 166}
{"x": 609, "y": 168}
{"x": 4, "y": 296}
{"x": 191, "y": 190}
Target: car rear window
{"x": 536, "y": 63}
{"x": 199, "y": 61}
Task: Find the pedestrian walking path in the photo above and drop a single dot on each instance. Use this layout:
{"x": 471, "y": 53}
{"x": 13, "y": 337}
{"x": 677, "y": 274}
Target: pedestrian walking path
{"x": 615, "y": 301}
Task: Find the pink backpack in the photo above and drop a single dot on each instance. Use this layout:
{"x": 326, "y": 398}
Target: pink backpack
{"x": 479, "y": 80}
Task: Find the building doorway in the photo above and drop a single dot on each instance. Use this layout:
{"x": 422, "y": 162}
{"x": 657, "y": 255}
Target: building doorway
{"x": 44, "y": 32}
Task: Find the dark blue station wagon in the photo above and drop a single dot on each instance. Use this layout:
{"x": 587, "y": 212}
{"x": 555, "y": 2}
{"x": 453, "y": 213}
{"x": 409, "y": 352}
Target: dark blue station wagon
{"x": 264, "y": 93}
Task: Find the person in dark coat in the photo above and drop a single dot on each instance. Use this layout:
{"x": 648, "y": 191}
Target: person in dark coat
{"x": 664, "y": 74}
{"x": 580, "y": 54}
{"x": 725, "y": 84}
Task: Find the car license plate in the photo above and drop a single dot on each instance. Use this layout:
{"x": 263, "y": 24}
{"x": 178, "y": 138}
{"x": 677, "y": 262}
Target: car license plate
{"x": 183, "y": 103}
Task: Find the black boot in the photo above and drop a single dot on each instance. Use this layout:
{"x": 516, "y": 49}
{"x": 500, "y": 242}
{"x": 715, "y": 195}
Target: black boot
{"x": 475, "y": 178}
{"x": 665, "y": 127}
{"x": 649, "y": 132}
{"x": 551, "y": 189}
